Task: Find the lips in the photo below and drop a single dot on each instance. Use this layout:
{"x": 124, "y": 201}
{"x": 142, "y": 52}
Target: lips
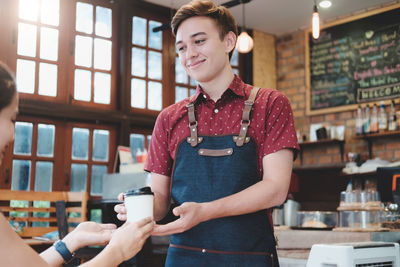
{"x": 195, "y": 64}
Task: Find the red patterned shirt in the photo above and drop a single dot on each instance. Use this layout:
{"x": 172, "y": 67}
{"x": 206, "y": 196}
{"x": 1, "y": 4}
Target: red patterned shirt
{"x": 271, "y": 123}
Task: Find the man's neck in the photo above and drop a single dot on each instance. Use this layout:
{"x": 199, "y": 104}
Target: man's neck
{"x": 216, "y": 87}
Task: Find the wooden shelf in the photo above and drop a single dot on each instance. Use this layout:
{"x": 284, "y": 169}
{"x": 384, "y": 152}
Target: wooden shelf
{"x": 306, "y": 144}
{"x": 322, "y": 168}
{"x": 371, "y": 137}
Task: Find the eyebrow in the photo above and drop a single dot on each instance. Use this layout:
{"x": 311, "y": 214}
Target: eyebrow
{"x": 192, "y": 36}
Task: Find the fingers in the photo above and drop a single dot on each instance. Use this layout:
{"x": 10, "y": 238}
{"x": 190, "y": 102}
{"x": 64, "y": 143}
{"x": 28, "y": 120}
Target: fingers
{"x": 108, "y": 226}
{"x": 121, "y": 197}
{"x": 121, "y": 210}
{"x": 167, "y": 229}
{"x": 144, "y": 221}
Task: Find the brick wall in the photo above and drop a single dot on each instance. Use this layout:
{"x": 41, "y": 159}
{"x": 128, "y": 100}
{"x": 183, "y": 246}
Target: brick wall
{"x": 290, "y": 53}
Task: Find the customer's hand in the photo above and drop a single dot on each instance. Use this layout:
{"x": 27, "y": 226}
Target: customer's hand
{"x": 89, "y": 234}
{"x": 130, "y": 237}
{"x": 120, "y": 208}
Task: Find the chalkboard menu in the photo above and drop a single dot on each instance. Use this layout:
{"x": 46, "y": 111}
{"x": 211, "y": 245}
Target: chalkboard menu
{"x": 355, "y": 62}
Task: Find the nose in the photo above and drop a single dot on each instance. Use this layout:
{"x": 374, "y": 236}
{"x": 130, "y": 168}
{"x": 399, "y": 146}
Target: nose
{"x": 191, "y": 51}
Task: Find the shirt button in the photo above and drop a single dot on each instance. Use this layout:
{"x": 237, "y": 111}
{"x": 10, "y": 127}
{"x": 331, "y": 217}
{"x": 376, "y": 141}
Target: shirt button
{"x": 216, "y": 110}
{"x": 204, "y": 96}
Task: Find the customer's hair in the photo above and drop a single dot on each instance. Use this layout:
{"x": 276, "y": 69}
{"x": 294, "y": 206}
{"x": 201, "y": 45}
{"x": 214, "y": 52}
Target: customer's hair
{"x": 219, "y": 14}
{"x": 7, "y": 86}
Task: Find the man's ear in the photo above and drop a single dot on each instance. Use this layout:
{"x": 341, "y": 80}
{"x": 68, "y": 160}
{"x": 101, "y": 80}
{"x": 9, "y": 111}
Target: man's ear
{"x": 230, "y": 41}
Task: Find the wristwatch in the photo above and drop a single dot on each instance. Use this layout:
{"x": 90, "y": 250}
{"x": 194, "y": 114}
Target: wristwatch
{"x": 63, "y": 250}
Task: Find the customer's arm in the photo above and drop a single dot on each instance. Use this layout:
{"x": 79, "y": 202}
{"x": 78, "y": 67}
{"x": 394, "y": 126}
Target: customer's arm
{"x": 85, "y": 234}
{"x": 13, "y": 251}
{"x": 125, "y": 242}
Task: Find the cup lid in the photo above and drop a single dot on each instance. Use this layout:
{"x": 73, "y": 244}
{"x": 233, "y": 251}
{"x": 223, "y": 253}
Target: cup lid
{"x": 139, "y": 191}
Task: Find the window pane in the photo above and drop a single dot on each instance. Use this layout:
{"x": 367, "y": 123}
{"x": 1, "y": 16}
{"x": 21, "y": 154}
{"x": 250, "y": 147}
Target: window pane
{"x": 193, "y": 81}
{"x": 28, "y": 9}
{"x": 83, "y": 51}
{"x": 84, "y": 17}
{"x": 180, "y": 73}
{"x": 100, "y": 145}
{"x": 138, "y": 93}
{"x": 139, "y": 31}
{"x": 23, "y": 138}
{"x": 97, "y": 179}
{"x": 155, "y": 62}
{"x": 180, "y": 93}
{"x": 21, "y": 175}
{"x": 78, "y": 177}
{"x": 83, "y": 85}
{"x": 102, "y": 54}
{"x": 45, "y": 144}
{"x": 136, "y": 144}
{"x": 47, "y": 79}
{"x": 102, "y": 87}
{"x": 80, "y": 143}
{"x": 103, "y": 21}
{"x": 50, "y": 12}
{"x": 95, "y": 215}
{"x": 235, "y": 71}
{"x": 43, "y": 176}
{"x": 48, "y": 43}
{"x": 235, "y": 58}
{"x": 148, "y": 140}
{"x": 138, "y": 62}
{"x": 155, "y": 38}
{"x": 25, "y": 76}
{"x": 192, "y": 92}
{"x": 155, "y": 96}
{"x": 26, "y": 39}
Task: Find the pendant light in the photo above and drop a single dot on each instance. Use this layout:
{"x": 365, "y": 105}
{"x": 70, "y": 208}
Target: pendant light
{"x": 315, "y": 22}
{"x": 244, "y": 42}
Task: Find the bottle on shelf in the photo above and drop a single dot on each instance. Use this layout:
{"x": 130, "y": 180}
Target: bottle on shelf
{"x": 359, "y": 121}
{"x": 392, "y": 125}
{"x": 374, "y": 126}
{"x": 367, "y": 121}
{"x": 382, "y": 118}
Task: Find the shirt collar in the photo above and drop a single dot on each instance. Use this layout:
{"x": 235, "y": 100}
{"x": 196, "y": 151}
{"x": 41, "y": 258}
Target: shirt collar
{"x": 237, "y": 87}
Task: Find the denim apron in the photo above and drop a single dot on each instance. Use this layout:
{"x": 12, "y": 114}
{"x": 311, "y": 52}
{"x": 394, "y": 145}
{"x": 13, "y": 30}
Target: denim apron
{"x": 207, "y": 168}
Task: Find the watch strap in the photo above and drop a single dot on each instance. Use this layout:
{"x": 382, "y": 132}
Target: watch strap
{"x": 63, "y": 250}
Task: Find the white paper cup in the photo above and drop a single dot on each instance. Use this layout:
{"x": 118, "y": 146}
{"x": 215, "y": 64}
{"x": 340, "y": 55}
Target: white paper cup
{"x": 139, "y": 204}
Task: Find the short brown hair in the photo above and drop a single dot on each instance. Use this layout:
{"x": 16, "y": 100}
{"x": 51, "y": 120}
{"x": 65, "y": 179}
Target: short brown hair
{"x": 7, "y": 86}
{"x": 220, "y": 14}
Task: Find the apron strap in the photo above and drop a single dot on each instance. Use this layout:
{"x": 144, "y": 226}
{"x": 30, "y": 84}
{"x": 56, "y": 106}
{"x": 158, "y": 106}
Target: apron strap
{"x": 244, "y": 124}
{"x": 193, "y": 140}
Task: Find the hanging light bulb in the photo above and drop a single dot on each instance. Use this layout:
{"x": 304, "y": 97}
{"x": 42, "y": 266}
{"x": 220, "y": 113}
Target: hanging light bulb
{"x": 244, "y": 42}
{"x": 315, "y": 22}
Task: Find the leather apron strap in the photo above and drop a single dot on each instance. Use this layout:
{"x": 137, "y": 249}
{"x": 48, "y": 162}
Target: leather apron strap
{"x": 193, "y": 140}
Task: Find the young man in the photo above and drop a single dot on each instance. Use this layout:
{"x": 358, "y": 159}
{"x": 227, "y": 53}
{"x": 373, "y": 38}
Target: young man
{"x": 223, "y": 157}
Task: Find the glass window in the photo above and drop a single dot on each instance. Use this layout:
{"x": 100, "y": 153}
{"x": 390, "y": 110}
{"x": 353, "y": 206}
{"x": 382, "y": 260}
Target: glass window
{"x": 50, "y": 12}
{"x": 83, "y": 85}
{"x": 138, "y": 62}
{"x": 155, "y": 38}
{"x": 138, "y": 96}
{"x": 84, "y": 17}
{"x": 47, "y": 79}
{"x": 100, "y": 145}
{"x": 97, "y": 179}
{"x": 103, "y": 22}
{"x": 45, "y": 144}
{"x": 102, "y": 88}
{"x": 78, "y": 177}
{"x": 139, "y": 31}
{"x": 28, "y": 9}
{"x": 23, "y": 138}
{"x": 155, "y": 96}
{"x": 26, "y": 40}
{"x": 21, "y": 173}
{"x": 43, "y": 176}
{"x": 180, "y": 93}
{"x": 26, "y": 76}
{"x": 80, "y": 143}
{"x": 48, "y": 43}
{"x": 137, "y": 145}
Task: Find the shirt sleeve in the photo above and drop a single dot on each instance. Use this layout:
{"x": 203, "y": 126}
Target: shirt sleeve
{"x": 159, "y": 158}
{"x": 280, "y": 130}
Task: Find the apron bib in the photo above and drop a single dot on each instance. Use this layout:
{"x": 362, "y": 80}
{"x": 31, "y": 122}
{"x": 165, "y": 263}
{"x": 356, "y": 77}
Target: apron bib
{"x": 207, "y": 168}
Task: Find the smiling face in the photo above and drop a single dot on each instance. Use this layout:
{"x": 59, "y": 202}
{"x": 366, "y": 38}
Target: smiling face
{"x": 201, "y": 51}
{"x": 8, "y": 116}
